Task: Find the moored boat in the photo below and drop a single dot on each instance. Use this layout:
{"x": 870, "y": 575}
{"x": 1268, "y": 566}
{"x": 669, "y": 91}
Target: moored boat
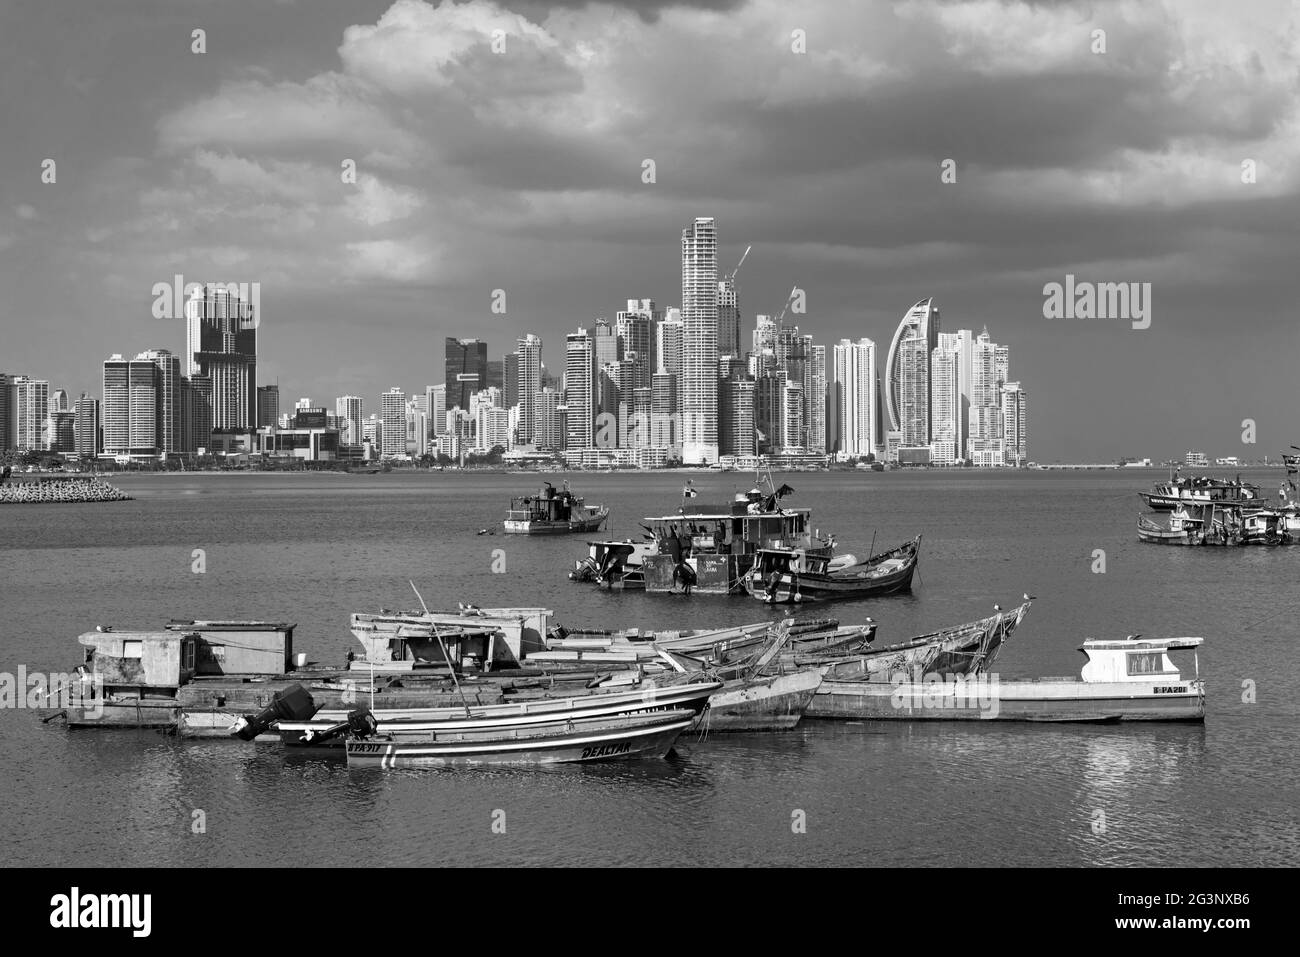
{"x": 1199, "y": 490}
{"x": 552, "y": 512}
{"x": 792, "y": 576}
{"x": 1195, "y": 525}
{"x": 1123, "y": 680}
{"x": 578, "y": 740}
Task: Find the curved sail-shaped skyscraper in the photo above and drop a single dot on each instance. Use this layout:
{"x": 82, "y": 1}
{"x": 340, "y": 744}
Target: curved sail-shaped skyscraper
{"x": 907, "y": 374}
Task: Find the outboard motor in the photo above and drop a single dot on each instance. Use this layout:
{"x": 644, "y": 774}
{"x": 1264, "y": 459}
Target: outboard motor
{"x": 362, "y": 723}
{"x": 294, "y": 703}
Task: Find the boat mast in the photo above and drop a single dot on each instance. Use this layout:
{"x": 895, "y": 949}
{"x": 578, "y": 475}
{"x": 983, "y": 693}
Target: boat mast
{"x": 441, "y": 644}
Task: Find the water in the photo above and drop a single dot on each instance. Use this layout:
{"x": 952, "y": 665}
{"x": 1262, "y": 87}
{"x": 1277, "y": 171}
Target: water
{"x": 314, "y": 548}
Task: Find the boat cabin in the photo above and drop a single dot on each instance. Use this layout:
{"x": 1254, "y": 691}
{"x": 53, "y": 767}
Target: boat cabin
{"x": 476, "y": 639}
{"x": 1133, "y": 659}
{"x": 239, "y": 647}
{"x": 548, "y": 505}
{"x": 186, "y": 650}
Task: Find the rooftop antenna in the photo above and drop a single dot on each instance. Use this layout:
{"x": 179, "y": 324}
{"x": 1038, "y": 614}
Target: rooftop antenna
{"x": 441, "y": 644}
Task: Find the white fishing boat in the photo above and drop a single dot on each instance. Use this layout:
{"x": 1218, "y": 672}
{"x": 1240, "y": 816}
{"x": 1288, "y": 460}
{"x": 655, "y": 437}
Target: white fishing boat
{"x": 579, "y": 740}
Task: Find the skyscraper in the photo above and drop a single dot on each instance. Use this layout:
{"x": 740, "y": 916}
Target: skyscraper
{"x": 579, "y": 389}
{"x": 268, "y": 405}
{"x": 548, "y": 420}
{"x": 1015, "y": 426}
{"x": 392, "y": 409}
{"x": 130, "y": 411}
{"x": 8, "y": 413}
{"x": 86, "y": 426}
{"x": 907, "y": 374}
{"x": 510, "y": 379}
{"x": 636, "y": 328}
{"x": 853, "y": 398}
{"x": 529, "y": 350}
{"x": 728, "y": 318}
{"x": 31, "y": 398}
{"x": 169, "y": 413}
{"x": 665, "y": 423}
{"x": 668, "y": 342}
{"x": 351, "y": 413}
{"x": 699, "y": 380}
{"x": 221, "y": 344}
{"x": 467, "y": 370}
{"x": 989, "y": 362}
{"x": 736, "y": 408}
{"x": 946, "y": 446}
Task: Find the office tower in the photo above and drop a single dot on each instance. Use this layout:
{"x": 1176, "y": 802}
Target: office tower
{"x": 59, "y": 401}
{"x": 351, "y": 412}
{"x": 548, "y": 421}
{"x": 1002, "y": 365}
{"x": 196, "y": 413}
{"x": 268, "y": 405}
{"x": 636, "y": 329}
{"x": 1015, "y": 426}
{"x": 221, "y": 344}
{"x": 728, "y": 318}
{"x": 736, "y": 407}
{"x": 372, "y": 431}
{"x": 699, "y": 362}
{"x": 392, "y": 410}
{"x": 580, "y": 389}
{"x": 989, "y": 362}
{"x": 417, "y": 427}
{"x": 814, "y": 392}
{"x": 510, "y": 379}
{"x": 605, "y": 342}
{"x": 792, "y": 416}
{"x": 769, "y": 395}
{"x": 59, "y": 431}
{"x": 907, "y": 374}
{"x": 946, "y": 447}
{"x": 668, "y": 342}
{"x": 529, "y": 350}
{"x": 438, "y": 410}
{"x": 665, "y": 424}
{"x": 639, "y": 418}
{"x": 961, "y": 343}
{"x": 86, "y": 426}
{"x": 853, "y": 394}
{"x": 467, "y": 370}
{"x": 31, "y": 398}
{"x": 8, "y": 413}
{"x": 496, "y": 375}
{"x": 130, "y": 410}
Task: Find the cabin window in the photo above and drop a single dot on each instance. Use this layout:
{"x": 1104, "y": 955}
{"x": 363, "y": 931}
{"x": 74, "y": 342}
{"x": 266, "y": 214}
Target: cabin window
{"x": 1146, "y": 663}
{"x": 187, "y": 655}
{"x": 133, "y": 649}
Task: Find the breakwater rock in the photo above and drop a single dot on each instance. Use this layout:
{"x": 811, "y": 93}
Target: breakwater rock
{"x": 60, "y": 490}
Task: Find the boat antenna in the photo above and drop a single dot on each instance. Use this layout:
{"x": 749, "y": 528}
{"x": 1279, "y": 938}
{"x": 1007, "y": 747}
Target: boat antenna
{"x": 443, "y": 645}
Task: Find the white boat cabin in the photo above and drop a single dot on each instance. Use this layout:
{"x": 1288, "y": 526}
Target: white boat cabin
{"x": 1133, "y": 659}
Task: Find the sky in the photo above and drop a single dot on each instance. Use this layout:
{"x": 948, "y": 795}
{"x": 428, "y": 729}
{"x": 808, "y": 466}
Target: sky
{"x": 1165, "y": 150}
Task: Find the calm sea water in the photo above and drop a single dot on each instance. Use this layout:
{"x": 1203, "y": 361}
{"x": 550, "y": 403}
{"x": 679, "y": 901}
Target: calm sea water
{"x": 314, "y": 548}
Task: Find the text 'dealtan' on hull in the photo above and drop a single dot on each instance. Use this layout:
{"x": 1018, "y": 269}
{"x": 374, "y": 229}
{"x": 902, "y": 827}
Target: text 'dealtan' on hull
{"x": 763, "y": 704}
{"x": 580, "y": 741}
{"x": 1068, "y": 700}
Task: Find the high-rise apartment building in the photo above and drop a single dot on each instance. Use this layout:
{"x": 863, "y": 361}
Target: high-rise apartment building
{"x": 548, "y": 419}
{"x": 392, "y": 410}
{"x": 31, "y": 401}
{"x": 350, "y": 411}
{"x": 268, "y": 405}
{"x": 699, "y": 379}
{"x": 668, "y": 342}
{"x": 529, "y": 350}
{"x": 580, "y": 389}
{"x": 852, "y": 413}
{"x": 130, "y": 410}
{"x": 85, "y": 412}
{"x": 907, "y": 374}
{"x": 221, "y": 344}
{"x": 1015, "y": 426}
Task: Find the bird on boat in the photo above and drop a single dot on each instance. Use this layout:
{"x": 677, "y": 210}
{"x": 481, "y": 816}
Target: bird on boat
{"x": 1133, "y": 637}
{"x": 997, "y": 607}
{"x": 1029, "y": 597}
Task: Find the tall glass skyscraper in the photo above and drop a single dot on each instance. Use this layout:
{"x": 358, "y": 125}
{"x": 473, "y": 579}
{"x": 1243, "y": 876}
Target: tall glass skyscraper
{"x": 907, "y": 374}
{"x": 699, "y": 379}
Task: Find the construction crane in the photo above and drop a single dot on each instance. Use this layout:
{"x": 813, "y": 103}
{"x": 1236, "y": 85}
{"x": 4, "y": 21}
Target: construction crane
{"x": 794, "y": 291}
{"x": 732, "y": 277}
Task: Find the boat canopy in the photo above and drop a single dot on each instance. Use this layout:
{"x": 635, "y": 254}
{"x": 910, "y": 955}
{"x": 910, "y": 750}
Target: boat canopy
{"x": 1132, "y": 659}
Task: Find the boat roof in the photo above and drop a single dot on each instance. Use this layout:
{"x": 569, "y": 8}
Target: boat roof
{"x": 1138, "y": 644}
{"x": 722, "y": 515}
{"x": 190, "y": 624}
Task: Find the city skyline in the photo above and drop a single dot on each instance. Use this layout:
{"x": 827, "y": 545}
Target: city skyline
{"x": 362, "y": 282}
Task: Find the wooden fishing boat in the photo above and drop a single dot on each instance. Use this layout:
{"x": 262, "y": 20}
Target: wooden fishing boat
{"x": 792, "y": 576}
{"x": 762, "y": 703}
{"x": 552, "y": 512}
{"x": 966, "y": 649}
{"x": 1195, "y": 525}
{"x": 1199, "y": 490}
{"x": 578, "y": 740}
{"x": 326, "y": 728}
{"x": 1123, "y": 680}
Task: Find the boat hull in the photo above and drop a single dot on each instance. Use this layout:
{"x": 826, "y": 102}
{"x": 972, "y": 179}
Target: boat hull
{"x": 1045, "y": 700}
{"x": 578, "y": 742}
{"x": 763, "y": 704}
{"x": 542, "y": 527}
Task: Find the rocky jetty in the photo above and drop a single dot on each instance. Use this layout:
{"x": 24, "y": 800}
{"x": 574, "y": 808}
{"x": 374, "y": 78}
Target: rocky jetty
{"x": 60, "y": 490}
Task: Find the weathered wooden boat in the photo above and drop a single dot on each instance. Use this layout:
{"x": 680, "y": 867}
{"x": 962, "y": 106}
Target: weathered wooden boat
{"x": 552, "y": 512}
{"x": 762, "y": 702}
{"x": 1199, "y": 490}
{"x": 326, "y": 728}
{"x": 1196, "y": 525}
{"x": 1125, "y": 680}
{"x": 579, "y": 740}
{"x": 966, "y": 649}
{"x": 792, "y": 576}
{"x": 704, "y": 548}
